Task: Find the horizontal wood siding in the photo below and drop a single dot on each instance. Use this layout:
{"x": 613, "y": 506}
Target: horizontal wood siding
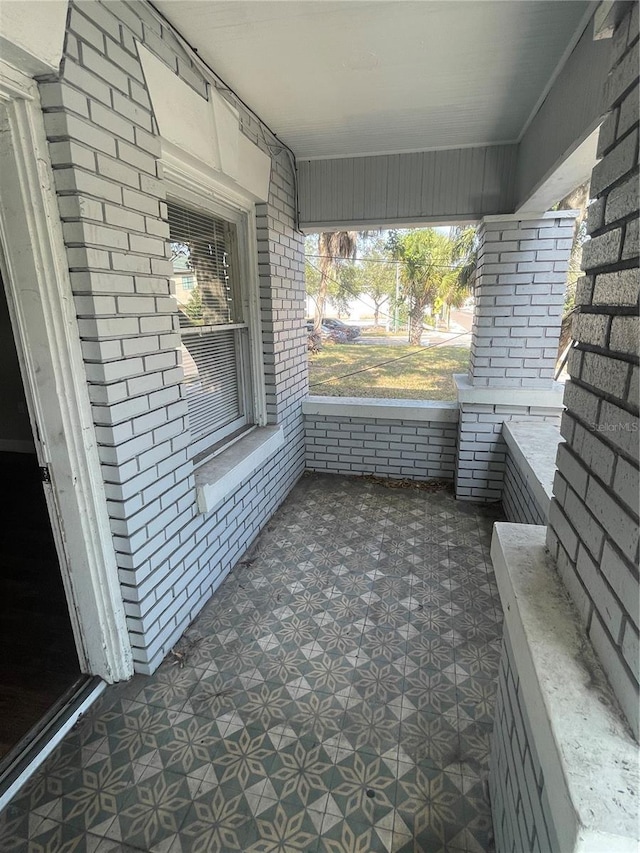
{"x": 463, "y": 183}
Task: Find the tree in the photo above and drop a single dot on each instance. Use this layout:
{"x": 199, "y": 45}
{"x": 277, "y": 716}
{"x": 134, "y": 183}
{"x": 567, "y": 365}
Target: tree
{"x": 378, "y": 280}
{"x": 311, "y": 268}
{"x": 193, "y": 308}
{"x": 332, "y": 247}
{"x": 457, "y": 285}
{"x": 340, "y": 285}
{"x": 425, "y": 256}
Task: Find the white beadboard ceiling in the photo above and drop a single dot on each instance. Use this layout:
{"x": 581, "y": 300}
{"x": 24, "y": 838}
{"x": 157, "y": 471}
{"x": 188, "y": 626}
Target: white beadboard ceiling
{"x": 353, "y": 77}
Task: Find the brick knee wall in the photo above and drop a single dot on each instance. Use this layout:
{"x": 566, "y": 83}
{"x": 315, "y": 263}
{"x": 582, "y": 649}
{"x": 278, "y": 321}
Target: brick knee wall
{"x": 521, "y": 817}
{"x": 384, "y": 447}
{"x": 518, "y": 501}
{"x": 482, "y": 450}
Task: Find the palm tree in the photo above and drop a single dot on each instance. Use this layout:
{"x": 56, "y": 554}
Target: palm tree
{"x": 458, "y": 284}
{"x": 426, "y": 257}
{"x": 333, "y": 246}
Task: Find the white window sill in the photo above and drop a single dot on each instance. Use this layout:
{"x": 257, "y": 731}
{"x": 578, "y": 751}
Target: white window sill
{"x": 217, "y": 479}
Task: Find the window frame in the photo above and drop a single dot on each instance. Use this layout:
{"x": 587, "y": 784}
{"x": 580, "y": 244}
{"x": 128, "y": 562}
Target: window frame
{"x": 199, "y": 191}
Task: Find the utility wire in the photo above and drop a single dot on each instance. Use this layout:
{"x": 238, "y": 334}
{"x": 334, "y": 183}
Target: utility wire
{"x": 385, "y": 261}
{"x": 355, "y": 294}
{"x": 388, "y": 361}
{"x": 351, "y": 292}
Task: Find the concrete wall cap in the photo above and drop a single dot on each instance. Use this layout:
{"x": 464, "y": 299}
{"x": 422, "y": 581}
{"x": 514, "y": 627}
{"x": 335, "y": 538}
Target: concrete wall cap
{"x": 539, "y": 397}
{"x": 533, "y": 446}
{"x": 374, "y": 407}
{"x": 586, "y": 750}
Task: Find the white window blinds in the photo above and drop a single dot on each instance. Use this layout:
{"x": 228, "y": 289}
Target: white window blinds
{"x": 214, "y": 336}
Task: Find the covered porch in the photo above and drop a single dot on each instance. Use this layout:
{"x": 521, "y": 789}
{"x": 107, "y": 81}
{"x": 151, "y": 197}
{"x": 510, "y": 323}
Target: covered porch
{"x": 316, "y": 655}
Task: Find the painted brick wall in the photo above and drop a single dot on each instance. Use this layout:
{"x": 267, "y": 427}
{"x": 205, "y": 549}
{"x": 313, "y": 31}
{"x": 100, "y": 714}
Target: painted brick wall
{"x": 518, "y": 501}
{"x": 522, "y": 820}
{"x": 482, "y": 451}
{"x": 104, "y": 150}
{"x": 520, "y": 286}
{"x": 593, "y": 524}
{"x": 384, "y": 447}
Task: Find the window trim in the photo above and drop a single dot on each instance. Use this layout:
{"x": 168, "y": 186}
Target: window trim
{"x": 191, "y": 187}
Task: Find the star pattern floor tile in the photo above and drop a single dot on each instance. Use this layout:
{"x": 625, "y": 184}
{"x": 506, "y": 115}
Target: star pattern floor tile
{"x": 335, "y": 696}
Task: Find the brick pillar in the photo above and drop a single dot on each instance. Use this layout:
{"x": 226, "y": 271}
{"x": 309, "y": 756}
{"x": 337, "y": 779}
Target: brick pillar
{"x": 593, "y": 520}
{"x": 522, "y": 271}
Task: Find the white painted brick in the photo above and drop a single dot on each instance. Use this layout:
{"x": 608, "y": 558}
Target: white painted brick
{"x": 91, "y": 233}
{"x": 623, "y": 683}
{"x": 622, "y": 577}
{"x": 147, "y": 245}
{"x": 118, "y": 171}
{"x": 60, "y": 125}
{"x": 126, "y": 219}
{"x": 87, "y": 82}
{"x": 626, "y": 485}
{"x": 86, "y": 31}
{"x": 133, "y": 111}
{"x": 59, "y": 95}
{"x": 130, "y": 263}
{"x": 129, "y": 64}
{"x": 101, "y": 282}
{"x": 103, "y": 68}
{"x": 619, "y": 525}
{"x": 69, "y": 153}
{"x": 605, "y": 602}
{"x": 76, "y": 207}
{"x": 622, "y": 77}
{"x": 630, "y": 650}
{"x": 85, "y": 257}
{"x": 99, "y": 15}
{"x": 84, "y": 182}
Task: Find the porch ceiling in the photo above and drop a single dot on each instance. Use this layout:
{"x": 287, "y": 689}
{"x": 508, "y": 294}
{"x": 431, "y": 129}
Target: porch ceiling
{"x": 339, "y": 79}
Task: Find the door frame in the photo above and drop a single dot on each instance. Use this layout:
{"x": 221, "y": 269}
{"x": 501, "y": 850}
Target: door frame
{"x": 41, "y": 306}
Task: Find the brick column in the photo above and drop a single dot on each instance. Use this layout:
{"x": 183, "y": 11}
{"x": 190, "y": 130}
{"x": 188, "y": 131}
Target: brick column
{"x": 522, "y": 271}
{"x": 593, "y": 520}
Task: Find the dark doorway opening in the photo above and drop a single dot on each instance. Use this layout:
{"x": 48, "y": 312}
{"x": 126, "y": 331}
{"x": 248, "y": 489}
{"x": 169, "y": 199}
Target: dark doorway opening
{"x": 39, "y": 660}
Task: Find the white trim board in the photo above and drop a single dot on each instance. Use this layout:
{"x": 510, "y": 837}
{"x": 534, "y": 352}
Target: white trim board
{"x": 42, "y": 311}
{"x": 51, "y": 744}
{"x": 207, "y": 131}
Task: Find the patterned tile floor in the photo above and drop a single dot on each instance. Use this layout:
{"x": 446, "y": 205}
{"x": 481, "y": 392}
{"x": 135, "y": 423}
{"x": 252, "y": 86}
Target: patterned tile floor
{"x": 335, "y": 696}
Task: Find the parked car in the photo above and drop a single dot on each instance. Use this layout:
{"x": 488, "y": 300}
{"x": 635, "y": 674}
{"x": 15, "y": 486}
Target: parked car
{"x": 336, "y": 330}
{"x": 352, "y": 332}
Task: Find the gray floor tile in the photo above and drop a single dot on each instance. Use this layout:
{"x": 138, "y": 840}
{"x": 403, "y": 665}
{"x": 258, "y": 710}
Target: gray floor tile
{"x": 335, "y": 696}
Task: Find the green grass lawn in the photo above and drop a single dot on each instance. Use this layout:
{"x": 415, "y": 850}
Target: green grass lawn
{"x": 427, "y": 375}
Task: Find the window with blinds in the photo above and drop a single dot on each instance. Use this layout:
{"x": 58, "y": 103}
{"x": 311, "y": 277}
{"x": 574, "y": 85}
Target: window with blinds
{"x": 214, "y": 335}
